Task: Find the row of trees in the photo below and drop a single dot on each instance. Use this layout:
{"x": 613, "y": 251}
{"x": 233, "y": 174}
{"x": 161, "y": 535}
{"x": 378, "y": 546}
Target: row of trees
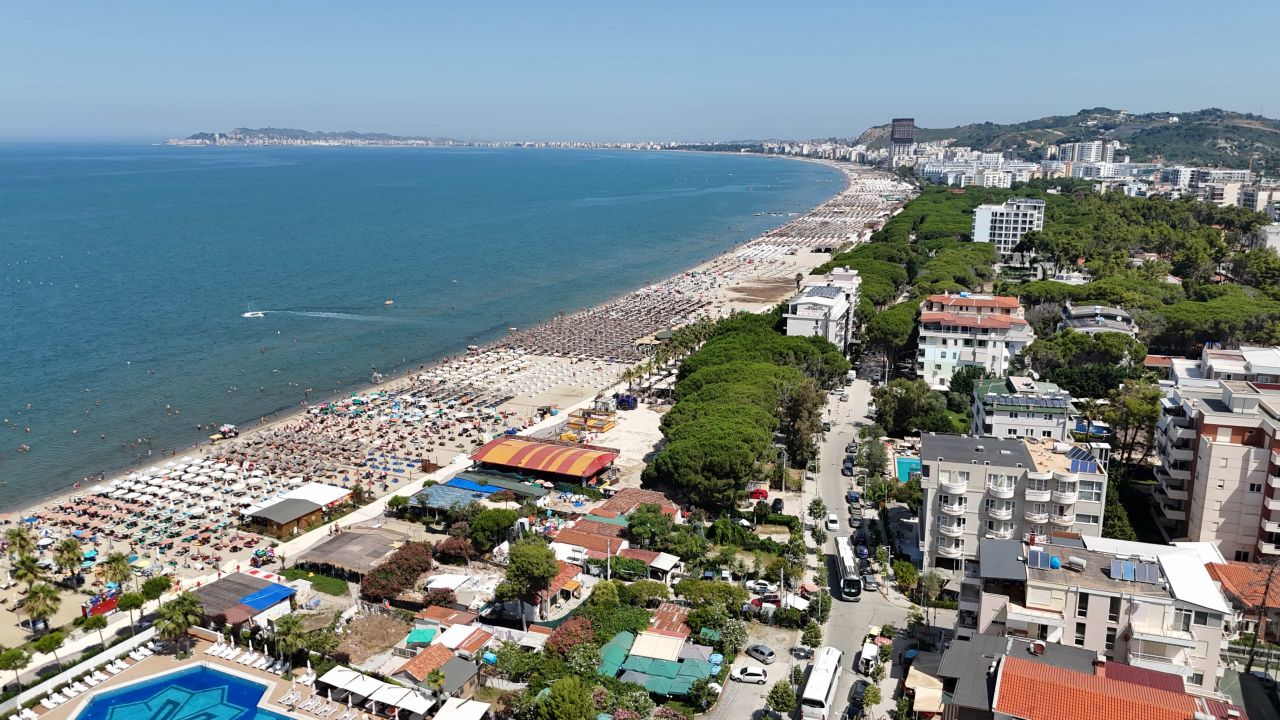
{"x": 745, "y": 383}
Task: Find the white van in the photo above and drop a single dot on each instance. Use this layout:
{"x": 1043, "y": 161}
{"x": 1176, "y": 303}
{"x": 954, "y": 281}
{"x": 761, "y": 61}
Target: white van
{"x": 869, "y": 658}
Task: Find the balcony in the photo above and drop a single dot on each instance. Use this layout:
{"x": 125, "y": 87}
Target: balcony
{"x": 999, "y": 512}
{"x": 1005, "y": 534}
{"x": 1172, "y": 489}
{"x": 1273, "y": 481}
{"x": 954, "y": 486}
{"x": 1037, "y": 518}
{"x": 1062, "y": 520}
{"x": 1270, "y": 526}
{"x": 1164, "y": 635}
{"x": 952, "y": 509}
{"x": 1004, "y": 492}
{"x": 1037, "y": 495}
{"x": 950, "y": 530}
{"x": 1159, "y": 663}
{"x": 1275, "y": 457}
{"x": 950, "y": 551}
{"x": 1178, "y": 432}
{"x": 1064, "y": 497}
{"x": 1272, "y": 504}
{"x": 1172, "y": 513}
{"x": 1267, "y": 548}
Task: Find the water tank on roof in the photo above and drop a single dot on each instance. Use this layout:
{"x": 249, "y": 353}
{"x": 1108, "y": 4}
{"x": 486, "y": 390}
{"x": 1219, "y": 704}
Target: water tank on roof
{"x": 1055, "y": 563}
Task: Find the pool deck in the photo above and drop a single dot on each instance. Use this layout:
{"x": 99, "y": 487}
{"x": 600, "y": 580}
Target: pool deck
{"x": 159, "y": 664}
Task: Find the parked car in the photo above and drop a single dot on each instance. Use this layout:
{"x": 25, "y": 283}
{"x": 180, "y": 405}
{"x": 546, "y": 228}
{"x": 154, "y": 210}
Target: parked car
{"x": 860, "y": 538}
{"x": 870, "y": 583}
{"x": 862, "y": 552}
{"x": 826, "y": 426}
{"x": 759, "y": 587}
{"x": 852, "y": 497}
{"x": 777, "y": 506}
{"x": 847, "y": 471}
{"x": 749, "y": 674}
{"x": 855, "y": 521}
{"x": 851, "y": 448}
{"x": 833, "y": 522}
{"x": 759, "y": 494}
{"x": 801, "y": 652}
{"x": 844, "y": 397}
{"x": 763, "y": 653}
{"x": 858, "y": 692}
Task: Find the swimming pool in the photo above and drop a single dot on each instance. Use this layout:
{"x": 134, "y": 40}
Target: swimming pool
{"x": 196, "y": 692}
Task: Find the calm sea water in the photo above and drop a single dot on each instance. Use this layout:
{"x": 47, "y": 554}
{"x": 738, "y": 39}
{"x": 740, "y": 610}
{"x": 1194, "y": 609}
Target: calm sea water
{"x": 124, "y": 271}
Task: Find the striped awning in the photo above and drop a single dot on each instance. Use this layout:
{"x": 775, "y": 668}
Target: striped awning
{"x": 534, "y": 456}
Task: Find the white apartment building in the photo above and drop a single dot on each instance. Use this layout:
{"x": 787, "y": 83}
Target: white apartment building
{"x": 1219, "y": 176}
{"x": 1004, "y": 225}
{"x": 1258, "y": 197}
{"x": 1095, "y": 319}
{"x": 1267, "y": 236}
{"x": 824, "y": 307}
{"x": 959, "y": 330}
{"x": 1019, "y": 407}
{"x": 1151, "y": 606}
{"x": 1218, "y": 443}
{"x": 978, "y": 487}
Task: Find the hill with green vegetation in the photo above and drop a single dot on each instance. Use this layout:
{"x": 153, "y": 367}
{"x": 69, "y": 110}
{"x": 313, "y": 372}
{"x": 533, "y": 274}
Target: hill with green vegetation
{"x": 1200, "y": 137}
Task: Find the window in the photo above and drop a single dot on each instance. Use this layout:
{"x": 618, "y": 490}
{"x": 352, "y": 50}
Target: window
{"x": 1204, "y": 619}
{"x": 1082, "y": 610}
{"x": 1255, "y": 487}
{"x": 1013, "y": 416}
{"x": 1111, "y": 640}
{"x": 1046, "y": 433}
{"x": 1080, "y": 634}
{"x": 1197, "y": 678}
{"x": 1242, "y": 556}
{"x": 1083, "y": 519}
{"x": 962, "y": 475}
{"x": 1013, "y": 431}
{"x": 1091, "y": 490}
{"x": 1113, "y": 612}
{"x": 1182, "y": 620}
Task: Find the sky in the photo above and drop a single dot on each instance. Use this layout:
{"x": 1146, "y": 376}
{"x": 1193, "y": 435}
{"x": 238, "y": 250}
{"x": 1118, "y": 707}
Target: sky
{"x": 614, "y": 71}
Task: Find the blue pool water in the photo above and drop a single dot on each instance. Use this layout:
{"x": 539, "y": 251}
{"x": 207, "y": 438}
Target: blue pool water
{"x": 196, "y": 693}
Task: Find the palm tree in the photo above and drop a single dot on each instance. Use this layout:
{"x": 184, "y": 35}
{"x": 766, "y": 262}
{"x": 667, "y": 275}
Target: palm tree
{"x": 290, "y": 636}
{"x": 116, "y": 569}
{"x": 28, "y": 569}
{"x": 42, "y": 602}
{"x": 68, "y": 554}
{"x": 21, "y": 541}
{"x": 129, "y": 602}
{"x": 177, "y": 616}
{"x": 435, "y": 681}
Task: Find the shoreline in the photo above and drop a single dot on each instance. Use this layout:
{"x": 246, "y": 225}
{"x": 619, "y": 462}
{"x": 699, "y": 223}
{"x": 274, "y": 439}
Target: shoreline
{"x": 393, "y": 384}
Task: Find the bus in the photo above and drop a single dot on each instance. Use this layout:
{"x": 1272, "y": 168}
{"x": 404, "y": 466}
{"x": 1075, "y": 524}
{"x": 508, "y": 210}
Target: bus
{"x": 850, "y": 579}
{"x": 818, "y": 700}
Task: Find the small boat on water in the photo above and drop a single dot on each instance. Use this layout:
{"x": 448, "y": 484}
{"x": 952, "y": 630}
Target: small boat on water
{"x": 253, "y": 314}
{"x": 388, "y": 301}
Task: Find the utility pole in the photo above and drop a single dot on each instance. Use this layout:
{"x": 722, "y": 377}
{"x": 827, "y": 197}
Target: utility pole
{"x": 608, "y": 559}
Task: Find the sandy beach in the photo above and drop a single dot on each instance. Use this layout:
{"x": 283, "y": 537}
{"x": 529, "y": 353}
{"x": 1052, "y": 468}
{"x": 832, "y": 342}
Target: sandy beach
{"x": 180, "y": 515}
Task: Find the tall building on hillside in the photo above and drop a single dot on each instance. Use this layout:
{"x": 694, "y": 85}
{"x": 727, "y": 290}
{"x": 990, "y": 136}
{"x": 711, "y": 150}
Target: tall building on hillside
{"x": 902, "y": 138}
{"x": 959, "y": 330}
{"x": 1004, "y": 225}
{"x": 984, "y": 487}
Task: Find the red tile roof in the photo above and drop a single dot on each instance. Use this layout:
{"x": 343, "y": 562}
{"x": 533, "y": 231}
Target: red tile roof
{"x": 1033, "y": 691}
{"x": 475, "y": 641}
{"x": 1158, "y": 361}
{"x": 568, "y": 571}
{"x": 596, "y": 545}
{"x": 999, "y": 301}
{"x": 446, "y": 616}
{"x": 540, "y": 629}
{"x": 628, "y": 499}
{"x": 431, "y": 658}
{"x": 1246, "y": 582}
{"x": 1143, "y": 676}
{"x": 972, "y": 321}
{"x": 644, "y": 556}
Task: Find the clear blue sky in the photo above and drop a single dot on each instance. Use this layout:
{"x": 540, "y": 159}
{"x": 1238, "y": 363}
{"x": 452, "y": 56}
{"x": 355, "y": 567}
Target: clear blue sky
{"x": 534, "y": 69}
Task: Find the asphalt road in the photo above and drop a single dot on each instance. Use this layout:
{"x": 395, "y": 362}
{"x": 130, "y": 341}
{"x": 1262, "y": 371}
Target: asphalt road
{"x": 849, "y": 621}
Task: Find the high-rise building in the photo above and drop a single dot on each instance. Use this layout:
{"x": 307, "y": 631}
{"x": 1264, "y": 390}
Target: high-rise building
{"x": 985, "y": 487}
{"x": 955, "y": 331}
{"x": 902, "y": 139}
{"x": 1004, "y": 225}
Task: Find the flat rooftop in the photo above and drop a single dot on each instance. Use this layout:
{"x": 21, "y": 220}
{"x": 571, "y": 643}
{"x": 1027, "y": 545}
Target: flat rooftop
{"x": 1096, "y": 574}
{"x": 1001, "y": 452}
{"x": 1077, "y": 459}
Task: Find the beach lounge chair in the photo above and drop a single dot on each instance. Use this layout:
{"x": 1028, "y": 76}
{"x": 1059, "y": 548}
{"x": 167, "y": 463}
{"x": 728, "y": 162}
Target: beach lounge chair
{"x": 214, "y": 649}
{"x": 281, "y": 668}
{"x": 48, "y": 704}
{"x": 28, "y": 714}
{"x": 69, "y": 692}
{"x": 146, "y": 651}
{"x": 91, "y": 681}
{"x": 263, "y": 663}
{"x": 231, "y": 656}
{"x": 248, "y": 659}
{"x": 308, "y": 704}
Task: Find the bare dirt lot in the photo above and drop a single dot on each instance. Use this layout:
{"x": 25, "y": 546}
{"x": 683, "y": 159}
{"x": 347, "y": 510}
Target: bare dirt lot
{"x": 370, "y": 635}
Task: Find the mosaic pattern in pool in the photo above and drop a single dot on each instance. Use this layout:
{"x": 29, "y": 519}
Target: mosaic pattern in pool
{"x": 197, "y": 693}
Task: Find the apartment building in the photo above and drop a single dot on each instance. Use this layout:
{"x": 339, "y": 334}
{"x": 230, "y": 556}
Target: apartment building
{"x": 1202, "y": 176}
{"x": 1094, "y": 319}
{"x": 1004, "y": 225}
{"x": 1151, "y": 606}
{"x": 824, "y": 307}
{"x": 1250, "y": 363}
{"x": 1218, "y": 444}
{"x": 959, "y": 330}
{"x": 1018, "y": 407}
{"x": 977, "y": 487}
{"x": 1259, "y": 198}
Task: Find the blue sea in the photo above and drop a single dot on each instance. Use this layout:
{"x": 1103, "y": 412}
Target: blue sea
{"x": 124, "y": 271}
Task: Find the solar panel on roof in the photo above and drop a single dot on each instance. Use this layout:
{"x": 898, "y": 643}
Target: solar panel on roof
{"x": 1044, "y": 561}
{"x": 1033, "y": 559}
{"x": 1128, "y": 569}
{"x": 1116, "y": 571}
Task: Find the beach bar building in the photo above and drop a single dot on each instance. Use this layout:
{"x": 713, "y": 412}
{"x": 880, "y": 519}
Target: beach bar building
{"x": 548, "y": 460}
{"x": 242, "y": 597}
{"x": 353, "y": 552}
{"x": 296, "y": 511}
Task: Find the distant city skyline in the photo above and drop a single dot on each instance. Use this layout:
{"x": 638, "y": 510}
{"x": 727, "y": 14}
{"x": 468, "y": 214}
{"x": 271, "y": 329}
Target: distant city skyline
{"x": 596, "y": 72}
